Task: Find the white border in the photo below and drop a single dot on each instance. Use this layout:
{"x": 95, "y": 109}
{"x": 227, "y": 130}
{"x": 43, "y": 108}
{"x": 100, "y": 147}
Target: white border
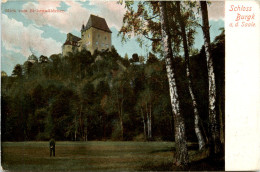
{"x": 242, "y": 91}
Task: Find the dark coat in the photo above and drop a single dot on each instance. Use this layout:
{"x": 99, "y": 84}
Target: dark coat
{"x": 52, "y": 144}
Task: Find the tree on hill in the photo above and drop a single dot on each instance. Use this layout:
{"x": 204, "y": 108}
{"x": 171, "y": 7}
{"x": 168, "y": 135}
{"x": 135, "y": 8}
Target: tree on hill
{"x": 18, "y": 71}
{"x": 3, "y": 74}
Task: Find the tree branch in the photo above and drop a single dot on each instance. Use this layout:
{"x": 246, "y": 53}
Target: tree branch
{"x": 152, "y": 39}
{"x": 151, "y": 17}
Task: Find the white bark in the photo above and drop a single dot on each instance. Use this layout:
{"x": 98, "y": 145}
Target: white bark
{"x": 144, "y": 126}
{"x": 194, "y": 102}
{"x": 180, "y": 138}
{"x": 211, "y": 77}
{"x": 150, "y": 122}
{"x": 196, "y": 114}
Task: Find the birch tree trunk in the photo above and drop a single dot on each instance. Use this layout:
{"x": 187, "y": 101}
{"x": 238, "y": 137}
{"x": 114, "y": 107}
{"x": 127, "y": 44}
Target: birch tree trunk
{"x": 86, "y": 133}
{"x": 86, "y": 129}
{"x": 187, "y": 64}
{"x": 150, "y": 121}
{"x": 120, "y": 113}
{"x": 76, "y": 128}
{"x": 181, "y": 155}
{"x": 81, "y": 125}
{"x": 221, "y": 122}
{"x": 121, "y": 120}
{"x": 143, "y": 123}
{"x": 214, "y": 139}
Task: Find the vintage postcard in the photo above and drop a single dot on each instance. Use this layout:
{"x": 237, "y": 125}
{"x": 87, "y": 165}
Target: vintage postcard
{"x": 95, "y": 85}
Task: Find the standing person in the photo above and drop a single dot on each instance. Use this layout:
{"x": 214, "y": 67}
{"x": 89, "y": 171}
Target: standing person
{"x": 52, "y": 147}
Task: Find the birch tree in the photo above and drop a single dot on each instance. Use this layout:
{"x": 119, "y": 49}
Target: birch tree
{"x": 215, "y": 136}
{"x": 181, "y": 155}
{"x": 188, "y": 74}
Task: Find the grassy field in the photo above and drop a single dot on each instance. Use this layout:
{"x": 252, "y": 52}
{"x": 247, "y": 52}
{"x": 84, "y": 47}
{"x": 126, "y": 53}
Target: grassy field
{"x": 93, "y": 156}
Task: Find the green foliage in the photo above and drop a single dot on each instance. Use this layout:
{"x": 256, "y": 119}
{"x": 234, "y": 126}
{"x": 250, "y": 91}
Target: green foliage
{"x": 142, "y": 20}
{"x": 17, "y": 70}
{"x": 87, "y": 97}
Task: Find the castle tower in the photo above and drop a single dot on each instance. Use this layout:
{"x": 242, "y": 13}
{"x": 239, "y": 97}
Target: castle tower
{"x": 71, "y": 44}
{"x": 95, "y": 35}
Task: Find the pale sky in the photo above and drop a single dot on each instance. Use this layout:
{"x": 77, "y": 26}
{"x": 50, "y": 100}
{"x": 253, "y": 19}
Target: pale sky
{"x": 44, "y": 33}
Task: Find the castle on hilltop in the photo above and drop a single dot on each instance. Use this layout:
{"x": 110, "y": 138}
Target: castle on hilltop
{"x": 96, "y": 35}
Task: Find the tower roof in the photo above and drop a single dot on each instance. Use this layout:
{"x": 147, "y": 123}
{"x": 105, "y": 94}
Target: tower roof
{"x": 98, "y": 23}
{"x": 71, "y": 37}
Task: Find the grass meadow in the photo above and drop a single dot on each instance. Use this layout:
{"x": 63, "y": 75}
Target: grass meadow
{"x": 96, "y": 156}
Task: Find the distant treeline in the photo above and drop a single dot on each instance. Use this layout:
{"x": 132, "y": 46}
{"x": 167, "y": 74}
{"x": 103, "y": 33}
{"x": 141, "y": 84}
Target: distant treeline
{"x": 105, "y": 96}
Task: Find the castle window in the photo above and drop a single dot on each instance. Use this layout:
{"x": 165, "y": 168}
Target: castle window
{"x": 88, "y": 35}
{"x": 107, "y": 45}
{"x": 96, "y": 43}
{"x": 98, "y": 35}
{"x": 105, "y": 38}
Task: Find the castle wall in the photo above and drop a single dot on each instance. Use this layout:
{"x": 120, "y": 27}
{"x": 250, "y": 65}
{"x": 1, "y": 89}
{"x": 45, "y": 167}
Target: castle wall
{"x": 93, "y": 39}
{"x": 66, "y": 49}
{"x": 86, "y": 40}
